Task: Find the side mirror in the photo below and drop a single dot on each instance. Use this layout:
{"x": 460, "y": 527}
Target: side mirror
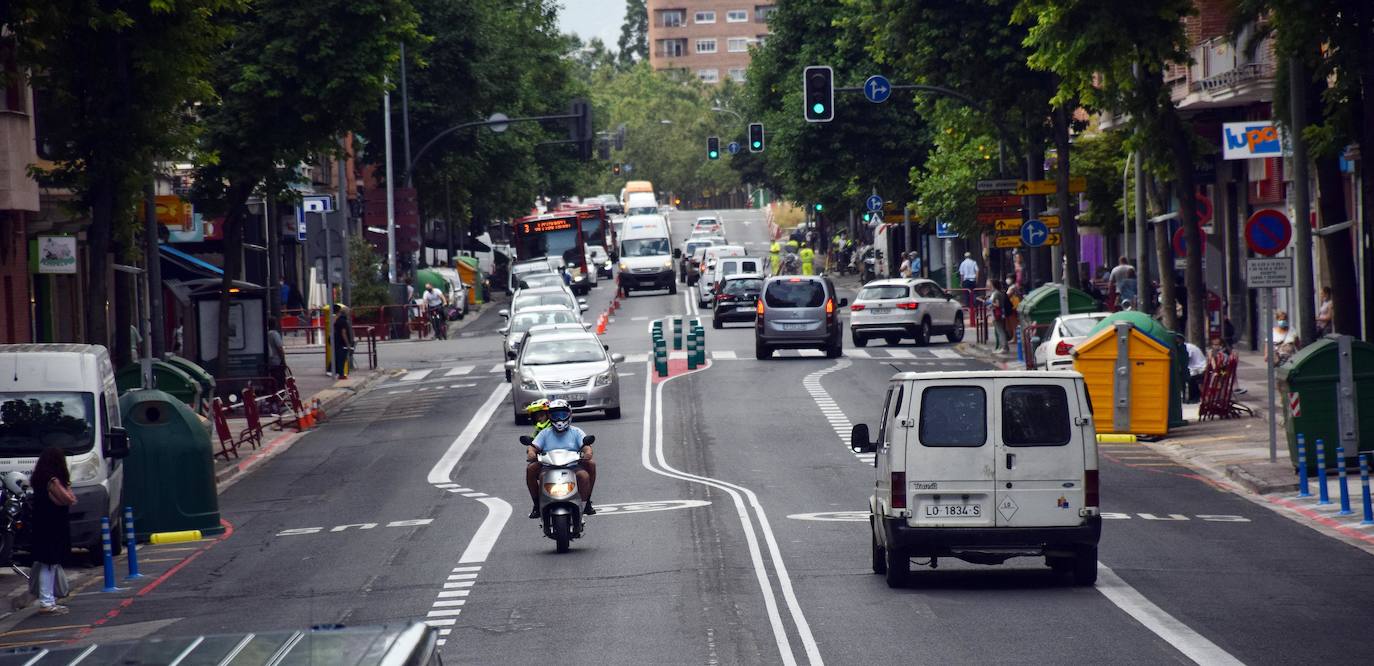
{"x": 526, "y": 440}
{"x": 116, "y": 443}
{"x": 581, "y": 301}
{"x": 586, "y": 326}
{"x": 504, "y": 330}
{"x": 617, "y": 358}
{"x": 581, "y": 307}
{"x": 859, "y": 439}
{"x": 844, "y": 302}
{"x": 606, "y": 347}
{"x": 677, "y": 253}
{"x": 504, "y": 313}
{"x": 589, "y": 440}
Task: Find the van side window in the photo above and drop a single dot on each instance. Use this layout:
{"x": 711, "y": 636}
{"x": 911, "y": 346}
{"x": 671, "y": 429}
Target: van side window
{"x": 882, "y": 417}
{"x": 954, "y": 416}
{"x": 1035, "y": 415}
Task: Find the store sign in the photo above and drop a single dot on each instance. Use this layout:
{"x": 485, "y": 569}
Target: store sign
{"x": 1251, "y": 140}
{"x": 173, "y": 212}
{"x": 57, "y": 254}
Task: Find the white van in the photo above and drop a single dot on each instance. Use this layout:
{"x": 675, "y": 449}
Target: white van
{"x": 641, "y": 203}
{"x": 74, "y": 385}
{"x": 646, "y": 255}
{"x": 984, "y": 466}
{"x": 711, "y": 269}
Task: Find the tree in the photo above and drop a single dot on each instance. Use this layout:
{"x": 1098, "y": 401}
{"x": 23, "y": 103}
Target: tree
{"x": 634, "y": 33}
{"x": 1113, "y": 56}
{"x": 293, "y": 79}
{"x": 119, "y": 80}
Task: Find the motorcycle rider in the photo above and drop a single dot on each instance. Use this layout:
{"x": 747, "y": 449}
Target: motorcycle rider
{"x": 434, "y": 303}
{"x": 563, "y": 435}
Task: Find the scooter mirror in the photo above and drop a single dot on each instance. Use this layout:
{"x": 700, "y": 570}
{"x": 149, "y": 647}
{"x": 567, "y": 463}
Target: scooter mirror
{"x": 526, "y": 440}
{"x": 589, "y": 440}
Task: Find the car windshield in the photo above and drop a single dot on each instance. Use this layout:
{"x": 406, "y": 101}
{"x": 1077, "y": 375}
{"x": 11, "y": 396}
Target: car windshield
{"x": 739, "y": 287}
{"x": 799, "y": 294}
{"x": 540, "y": 266}
{"x": 880, "y": 292}
{"x": 31, "y": 422}
{"x": 541, "y": 280}
{"x": 642, "y": 210}
{"x": 645, "y": 247}
{"x": 1077, "y": 328}
{"x": 524, "y": 321}
{"x": 528, "y": 300}
{"x": 693, "y": 246}
{"x": 553, "y": 352}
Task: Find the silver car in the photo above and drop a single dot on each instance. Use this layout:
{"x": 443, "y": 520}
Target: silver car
{"x": 565, "y": 364}
{"x": 544, "y": 296}
{"x": 532, "y": 316}
{"x": 798, "y": 311}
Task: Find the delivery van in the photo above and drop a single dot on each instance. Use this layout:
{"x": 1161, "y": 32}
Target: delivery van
{"x": 646, "y": 256}
{"x": 64, "y": 395}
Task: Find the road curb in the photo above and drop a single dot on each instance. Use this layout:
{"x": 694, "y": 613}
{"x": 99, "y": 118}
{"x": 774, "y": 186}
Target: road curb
{"x": 1257, "y": 482}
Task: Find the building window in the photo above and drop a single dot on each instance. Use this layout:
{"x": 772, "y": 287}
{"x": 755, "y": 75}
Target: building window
{"x": 672, "y": 48}
{"x": 737, "y": 44}
{"x": 737, "y": 16}
{"x": 737, "y": 74}
{"x": 706, "y": 45}
{"x": 762, "y": 12}
{"x": 672, "y": 18}
{"x": 708, "y": 75}
{"x": 761, "y": 40}
{"x": 705, "y": 16}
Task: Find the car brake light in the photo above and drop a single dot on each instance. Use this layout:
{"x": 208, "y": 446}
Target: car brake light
{"x": 909, "y": 305}
{"x": 898, "y": 495}
{"x": 758, "y": 307}
{"x": 722, "y": 297}
{"x": 856, "y": 307}
{"x": 830, "y": 306}
{"x": 1090, "y": 494}
{"x": 1063, "y": 348}
{"x": 794, "y": 280}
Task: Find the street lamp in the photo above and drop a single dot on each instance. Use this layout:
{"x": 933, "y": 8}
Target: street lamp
{"x": 721, "y": 109}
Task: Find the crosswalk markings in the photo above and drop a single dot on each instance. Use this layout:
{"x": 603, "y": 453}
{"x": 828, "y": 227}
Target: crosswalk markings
{"x": 499, "y": 367}
{"x": 900, "y": 353}
{"x": 810, "y": 353}
{"x": 858, "y": 353}
{"x": 416, "y": 375}
{"x": 724, "y": 355}
{"x": 460, "y": 370}
{"x": 636, "y": 358}
{"x": 945, "y": 353}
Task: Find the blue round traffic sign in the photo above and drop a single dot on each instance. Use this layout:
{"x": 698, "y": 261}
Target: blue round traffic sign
{"x": 874, "y": 203}
{"x": 1034, "y": 233}
{"x": 1268, "y": 232}
{"x": 732, "y": 147}
{"x": 877, "y": 89}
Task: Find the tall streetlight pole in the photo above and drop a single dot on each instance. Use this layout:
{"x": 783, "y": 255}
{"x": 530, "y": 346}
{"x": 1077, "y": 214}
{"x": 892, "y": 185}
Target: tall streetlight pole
{"x": 390, "y": 186}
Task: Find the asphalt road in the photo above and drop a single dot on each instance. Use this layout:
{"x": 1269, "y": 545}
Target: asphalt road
{"x": 731, "y": 532}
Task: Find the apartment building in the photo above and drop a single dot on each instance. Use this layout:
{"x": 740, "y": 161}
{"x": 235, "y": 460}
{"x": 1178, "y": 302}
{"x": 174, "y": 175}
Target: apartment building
{"x": 708, "y": 39}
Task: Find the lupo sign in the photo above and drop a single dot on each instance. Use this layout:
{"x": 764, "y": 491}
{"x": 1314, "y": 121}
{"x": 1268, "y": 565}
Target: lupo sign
{"x": 1251, "y": 140}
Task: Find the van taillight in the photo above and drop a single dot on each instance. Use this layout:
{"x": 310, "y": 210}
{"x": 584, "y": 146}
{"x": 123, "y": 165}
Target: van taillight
{"x": 898, "y": 499}
{"x": 1090, "y": 495}
{"x": 830, "y": 306}
{"x": 758, "y": 307}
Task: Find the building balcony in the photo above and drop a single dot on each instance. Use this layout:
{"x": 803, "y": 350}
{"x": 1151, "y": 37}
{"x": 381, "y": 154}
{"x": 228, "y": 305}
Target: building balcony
{"x": 1223, "y": 75}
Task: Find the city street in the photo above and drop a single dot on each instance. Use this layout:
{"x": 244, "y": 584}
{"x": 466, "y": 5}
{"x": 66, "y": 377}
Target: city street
{"x": 731, "y": 529}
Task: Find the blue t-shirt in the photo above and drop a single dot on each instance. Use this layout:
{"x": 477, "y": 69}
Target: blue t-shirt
{"x": 552, "y": 440}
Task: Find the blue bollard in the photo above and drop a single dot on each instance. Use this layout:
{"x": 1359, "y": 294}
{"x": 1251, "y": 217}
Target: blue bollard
{"x": 1303, "y": 489}
{"x": 109, "y": 555}
{"x": 131, "y": 543}
{"x": 1364, "y": 490}
{"x": 1323, "y": 497}
{"x": 1345, "y": 488}
{"x": 1020, "y": 355}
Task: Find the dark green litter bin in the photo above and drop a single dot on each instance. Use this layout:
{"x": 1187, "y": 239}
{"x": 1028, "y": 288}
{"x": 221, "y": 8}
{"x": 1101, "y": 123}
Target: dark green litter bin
{"x": 1041, "y": 305}
{"x": 169, "y": 476}
{"x": 1314, "y": 374}
{"x": 201, "y": 375}
{"x": 166, "y": 377}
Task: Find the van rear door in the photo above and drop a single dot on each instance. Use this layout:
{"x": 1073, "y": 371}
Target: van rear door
{"x": 1040, "y": 453}
{"x": 949, "y": 462}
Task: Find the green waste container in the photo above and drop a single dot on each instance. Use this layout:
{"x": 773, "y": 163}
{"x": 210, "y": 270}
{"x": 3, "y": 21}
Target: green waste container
{"x": 201, "y": 375}
{"x": 169, "y": 476}
{"x": 1313, "y": 374}
{"x": 1041, "y": 305}
{"x": 166, "y": 377}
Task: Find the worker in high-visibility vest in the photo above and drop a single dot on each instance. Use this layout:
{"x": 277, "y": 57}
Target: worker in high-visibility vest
{"x": 774, "y": 258}
{"x": 808, "y": 259}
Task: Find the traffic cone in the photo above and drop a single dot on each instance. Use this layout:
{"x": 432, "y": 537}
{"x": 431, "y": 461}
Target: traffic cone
{"x": 601, "y": 325}
{"x": 319, "y": 410}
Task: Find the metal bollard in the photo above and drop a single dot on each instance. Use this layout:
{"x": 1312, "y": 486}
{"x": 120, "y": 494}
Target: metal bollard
{"x": 1323, "y": 497}
{"x": 677, "y": 332}
{"x": 692, "y": 349}
{"x": 1345, "y": 488}
{"x": 1303, "y": 487}
{"x": 661, "y": 357}
{"x": 1364, "y": 490}
{"x": 131, "y": 542}
{"x": 701, "y": 345}
{"x": 109, "y": 555}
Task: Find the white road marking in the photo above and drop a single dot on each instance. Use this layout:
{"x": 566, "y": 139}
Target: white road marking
{"x": 441, "y": 623}
{"x": 636, "y": 358}
{"x": 416, "y": 375}
{"x": 458, "y": 371}
{"x": 724, "y": 355}
{"x": 462, "y": 576}
{"x": 833, "y": 516}
{"x": 858, "y": 353}
{"x": 1192, "y": 644}
{"x": 810, "y": 353}
{"x": 639, "y": 318}
{"x": 835, "y": 416}
{"x": 447, "y": 594}
{"x": 900, "y": 353}
{"x": 646, "y": 507}
{"x": 461, "y": 583}
{"x": 746, "y": 510}
{"x": 462, "y": 569}
{"x": 499, "y": 367}
{"x": 449, "y": 603}
{"x": 445, "y": 612}
{"x": 944, "y": 353}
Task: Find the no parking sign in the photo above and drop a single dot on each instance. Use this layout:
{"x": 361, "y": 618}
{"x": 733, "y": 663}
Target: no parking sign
{"x": 1268, "y": 232}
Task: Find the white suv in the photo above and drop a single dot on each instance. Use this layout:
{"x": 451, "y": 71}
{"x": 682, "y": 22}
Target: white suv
{"x": 905, "y": 308}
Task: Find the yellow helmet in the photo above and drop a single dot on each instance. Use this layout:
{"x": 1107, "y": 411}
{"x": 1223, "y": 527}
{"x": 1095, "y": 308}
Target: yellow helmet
{"x": 540, "y": 405}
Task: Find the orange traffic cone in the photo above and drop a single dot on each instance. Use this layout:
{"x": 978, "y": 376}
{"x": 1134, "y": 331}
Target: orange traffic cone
{"x": 317, "y": 411}
{"x": 601, "y": 324}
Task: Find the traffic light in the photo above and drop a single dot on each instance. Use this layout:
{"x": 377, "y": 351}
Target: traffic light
{"x": 755, "y": 137}
{"x": 713, "y": 147}
{"x": 615, "y": 168}
{"x": 868, "y": 217}
{"x": 818, "y": 92}
{"x": 819, "y": 208}
{"x": 580, "y": 129}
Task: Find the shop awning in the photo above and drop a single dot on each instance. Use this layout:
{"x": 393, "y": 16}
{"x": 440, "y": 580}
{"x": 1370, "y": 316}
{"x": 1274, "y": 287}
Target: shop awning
{"x": 186, "y": 266}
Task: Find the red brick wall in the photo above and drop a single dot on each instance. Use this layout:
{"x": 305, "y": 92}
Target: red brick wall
{"x": 14, "y": 278}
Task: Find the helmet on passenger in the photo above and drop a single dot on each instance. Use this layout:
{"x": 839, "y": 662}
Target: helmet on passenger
{"x": 539, "y": 409}
{"x": 560, "y": 413}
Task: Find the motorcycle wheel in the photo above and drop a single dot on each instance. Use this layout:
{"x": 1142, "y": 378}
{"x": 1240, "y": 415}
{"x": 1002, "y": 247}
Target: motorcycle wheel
{"x": 562, "y": 532}
{"x": 6, "y": 548}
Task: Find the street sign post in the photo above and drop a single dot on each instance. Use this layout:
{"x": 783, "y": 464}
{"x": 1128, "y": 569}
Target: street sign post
{"x": 874, "y": 203}
{"x": 944, "y": 230}
{"x": 1034, "y": 233}
{"x": 1007, "y": 185}
{"x": 1013, "y": 225}
{"x": 1027, "y": 188}
{"x": 877, "y": 89}
{"x": 1269, "y": 273}
{"x": 1268, "y": 232}
{"x": 732, "y": 148}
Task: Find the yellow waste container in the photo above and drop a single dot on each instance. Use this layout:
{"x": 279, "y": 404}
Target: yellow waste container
{"x": 1129, "y": 395}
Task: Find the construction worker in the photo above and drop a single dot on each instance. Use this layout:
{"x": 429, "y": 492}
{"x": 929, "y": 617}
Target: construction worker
{"x": 808, "y": 259}
{"x": 774, "y": 258}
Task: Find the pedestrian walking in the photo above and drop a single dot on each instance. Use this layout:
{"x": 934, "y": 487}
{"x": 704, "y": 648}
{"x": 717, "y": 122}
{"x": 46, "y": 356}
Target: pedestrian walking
{"x": 968, "y": 276}
{"x": 343, "y": 341}
{"x": 1286, "y": 340}
{"x": 1127, "y": 289}
{"x": 904, "y": 269}
{"x": 997, "y": 308}
{"x": 808, "y": 260}
{"x": 1324, "y": 312}
{"x": 52, "y": 539}
{"x": 1197, "y": 364}
{"x": 1119, "y": 271}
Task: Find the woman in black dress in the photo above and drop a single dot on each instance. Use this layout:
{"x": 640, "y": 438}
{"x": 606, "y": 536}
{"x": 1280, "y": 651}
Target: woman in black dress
{"x": 52, "y": 539}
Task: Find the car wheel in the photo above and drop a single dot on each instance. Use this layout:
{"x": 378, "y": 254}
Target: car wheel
{"x": 613, "y": 412}
{"x": 923, "y": 333}
{"x": 116, "y": 538}
{"x": 957, "y": 333}
{"x": 879, "y": 553}
{"x": 898, "y": 565}
{"x": 521, "y": 419}
{"x": 715, "y": 322}
{"x": 672, "y": 289}
{"x": 761, "y": 351}
{"x": 858, "y": 340}
{"x": 836, "y": 347}
{"x": 1085, "y": 566}
{"x": 892, "y": 340}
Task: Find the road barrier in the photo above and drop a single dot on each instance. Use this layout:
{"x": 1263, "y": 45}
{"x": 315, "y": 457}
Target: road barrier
{"x": 1323, "y": 496}
{"x": 131, "y": 543}
{"x": 1303, "y": 487}
{"x": 1364, "y": 490}
{"x": 677, "y": 333}
{"x": 108, "y": 551}
{"x": 1345, "y": 489}
{"x": 183, "y": 536}
{"x": 660, "y": 350}
{"x": 701, "y": 341}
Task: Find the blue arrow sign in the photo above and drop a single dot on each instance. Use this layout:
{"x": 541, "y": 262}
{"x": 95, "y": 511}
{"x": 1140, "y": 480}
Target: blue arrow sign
{"x": 944, "y": 230}
{"x": 877, "y": 89}
{"x": 1034, "y": 233}
{"x": 874, "y": 203}
{"x": 732, "y": 147}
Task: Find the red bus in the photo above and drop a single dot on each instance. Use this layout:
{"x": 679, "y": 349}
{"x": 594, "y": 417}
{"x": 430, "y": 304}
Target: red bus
{"x": 596, "y": 227}
{"x": 558, "y": 234}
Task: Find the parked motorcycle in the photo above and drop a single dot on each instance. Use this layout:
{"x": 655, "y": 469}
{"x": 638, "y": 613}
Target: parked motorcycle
{"x": 15, "y": 508}
{"x": 560, "y": 503}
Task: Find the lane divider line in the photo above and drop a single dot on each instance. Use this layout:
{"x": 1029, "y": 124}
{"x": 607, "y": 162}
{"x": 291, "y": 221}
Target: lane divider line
{"x": 839, "y": 422}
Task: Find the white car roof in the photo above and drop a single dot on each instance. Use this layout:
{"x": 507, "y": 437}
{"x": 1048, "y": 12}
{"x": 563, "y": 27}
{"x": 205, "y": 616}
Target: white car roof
{"x": 566, "y": 332}
{"x": 987, "y": 374}
{"x": 1085, "y": 315}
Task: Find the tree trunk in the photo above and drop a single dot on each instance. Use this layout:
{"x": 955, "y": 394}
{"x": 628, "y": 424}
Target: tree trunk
{"x": 1338, "y": 248}
{"x": 124, "y": 301}
{"x": 236, "y": 212}
{"x": 1366, "y": 179}
{"x": 98, "y": 239}
{"x": 1168, "y": 309}
{"x": 1177, "y": 137}
{"x": 1068, "y": 225}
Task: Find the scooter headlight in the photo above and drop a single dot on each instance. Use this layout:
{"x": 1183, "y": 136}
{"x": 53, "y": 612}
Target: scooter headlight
{"x": 560, "y": 490}
{"x": 85, "y": 470}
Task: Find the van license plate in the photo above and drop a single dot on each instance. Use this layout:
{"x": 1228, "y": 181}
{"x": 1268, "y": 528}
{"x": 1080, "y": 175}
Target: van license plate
{"x": 931, "y": 511}
{"x": 793, "y": 327}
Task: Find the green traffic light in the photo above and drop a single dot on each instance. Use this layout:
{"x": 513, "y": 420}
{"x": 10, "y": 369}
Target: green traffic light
{"x": 758, "y": 143}
{"x": 868, "y": 216}
{"x": 818, "y": 208}
{"x": 818, "y": 108}
{"x": 713, "y": 154}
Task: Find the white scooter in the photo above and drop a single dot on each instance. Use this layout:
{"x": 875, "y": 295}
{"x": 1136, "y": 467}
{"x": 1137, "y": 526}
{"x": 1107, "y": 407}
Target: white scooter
{"x": 560, "y": 504}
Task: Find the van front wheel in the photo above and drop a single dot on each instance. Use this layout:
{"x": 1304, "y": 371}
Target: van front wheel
{"x": 1085, "y": 566}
